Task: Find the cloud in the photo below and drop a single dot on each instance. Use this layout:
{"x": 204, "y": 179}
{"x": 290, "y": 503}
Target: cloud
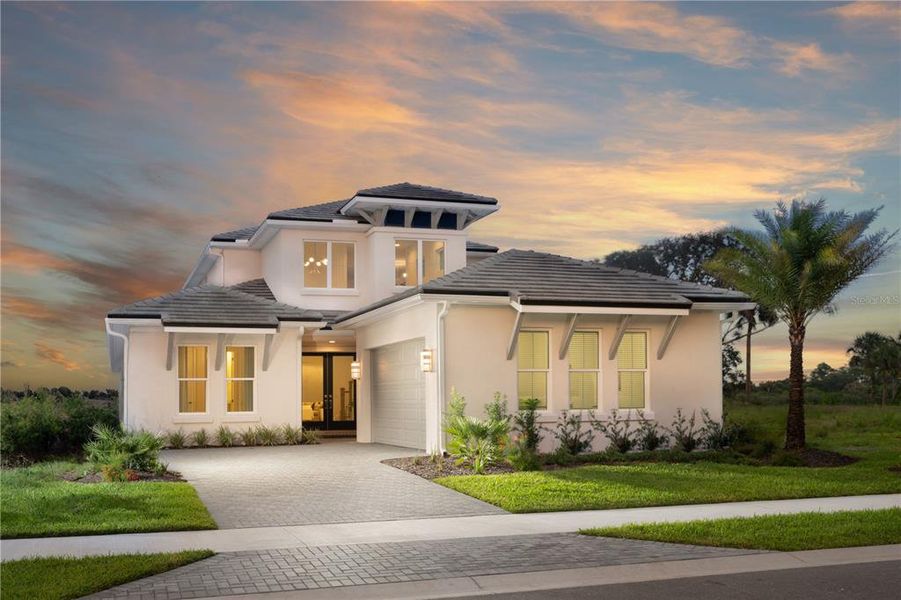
{"x": 885, "y": 16}
{"x": 55, "y": 356}
{"x": 796, "y": 59}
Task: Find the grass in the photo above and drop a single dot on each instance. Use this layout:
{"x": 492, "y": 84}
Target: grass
{"x": 63, "y": 578}
{"x": 35, "y": 502}
{"x": 804, "y": 531}
{"x": 868, "y": 432}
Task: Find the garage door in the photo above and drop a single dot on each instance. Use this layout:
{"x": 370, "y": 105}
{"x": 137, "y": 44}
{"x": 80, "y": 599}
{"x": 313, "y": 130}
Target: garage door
{"x": 398, "y": 395}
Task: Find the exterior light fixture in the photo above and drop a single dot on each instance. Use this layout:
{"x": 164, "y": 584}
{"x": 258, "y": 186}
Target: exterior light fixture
{"x": 356, "y": 370}
{"x": 425, "y": 361}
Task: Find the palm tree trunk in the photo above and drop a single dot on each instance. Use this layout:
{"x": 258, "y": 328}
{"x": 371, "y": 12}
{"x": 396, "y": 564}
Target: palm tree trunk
{"x": 795, "y": 438}
{"x": 749, "y": 316}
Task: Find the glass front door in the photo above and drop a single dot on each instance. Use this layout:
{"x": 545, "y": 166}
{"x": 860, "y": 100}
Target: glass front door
{"x": 329, "y": 392}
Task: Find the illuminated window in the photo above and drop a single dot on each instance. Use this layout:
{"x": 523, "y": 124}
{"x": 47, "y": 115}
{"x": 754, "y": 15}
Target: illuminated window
{"x": 239, "y": 378}
{"x": 584, "y": 367}
{"x": 328, "y": 265}
{"x": 418, "y": 260}
{"x": 532, "y": 366}
{"x": 192, "y": 378}
{"x": 632, "y": 365}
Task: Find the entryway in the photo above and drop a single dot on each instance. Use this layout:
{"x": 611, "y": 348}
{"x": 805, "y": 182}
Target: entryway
{"x": 329, "y": 392}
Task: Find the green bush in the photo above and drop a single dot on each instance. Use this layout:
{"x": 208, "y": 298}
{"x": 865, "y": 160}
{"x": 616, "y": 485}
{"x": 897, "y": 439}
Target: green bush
{"x": 249, "y": 437}
{"x": 471, "y": 440}
{"x": 42, "y": 424}
{"x": 571, "y": 435}
{"x": 291, "y": 434}
{"x": 176, "y": 439}
{"x": 268, "y": 436}
{"x": 525, "y": 423}
{"x": 200, "y": 438}
{"x": 114, "y": 451}
{"x": 617, "y": 431}
{"x": 649, "y": 437}
{"x": 309, "y": 436}
{"x": 225, "y": 437}
{"x": 685, "y": 437}
{"x": 523, "y": 458}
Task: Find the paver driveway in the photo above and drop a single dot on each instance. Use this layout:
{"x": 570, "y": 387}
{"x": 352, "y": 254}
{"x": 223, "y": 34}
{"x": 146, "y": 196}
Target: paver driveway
{"x": 334, "y": 482}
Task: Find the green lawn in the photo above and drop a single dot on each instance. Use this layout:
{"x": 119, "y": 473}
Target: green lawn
{"x": 805, "y": 531}
{"x": 35, "y": 502}
{"x": 870, "y": 433}
{"x": 63, "y": 578}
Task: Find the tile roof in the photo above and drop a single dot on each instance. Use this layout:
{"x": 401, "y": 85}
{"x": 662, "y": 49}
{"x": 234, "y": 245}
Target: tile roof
{"x": 412, "y": 191}
{"x": 257, "y": 287}
{"x": 210, "y": 306}
{"x": 327, "y": 211}
{"x": 548, "y": 279}
{"x": 480, "y": 247}
{"x": 245, "y": 233}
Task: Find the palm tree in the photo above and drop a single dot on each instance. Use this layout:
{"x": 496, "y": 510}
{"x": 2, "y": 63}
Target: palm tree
{"x": 804, "y": 257}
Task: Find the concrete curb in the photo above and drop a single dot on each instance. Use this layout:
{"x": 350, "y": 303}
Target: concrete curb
{"x": 568, "y": 578}
{"x": 269, "y": 538}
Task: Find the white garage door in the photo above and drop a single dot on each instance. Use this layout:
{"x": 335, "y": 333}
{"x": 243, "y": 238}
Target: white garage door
{"x": 398, "y": 395}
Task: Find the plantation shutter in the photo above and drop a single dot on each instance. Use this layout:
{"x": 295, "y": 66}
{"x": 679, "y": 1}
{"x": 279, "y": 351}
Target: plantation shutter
{"x": 533, "y": 362}
{"x": 632, "y": 361}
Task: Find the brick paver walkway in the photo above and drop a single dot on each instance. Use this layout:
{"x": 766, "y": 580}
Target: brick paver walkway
{"x": 360, "y": 564}
{"x": 334, "y": 482}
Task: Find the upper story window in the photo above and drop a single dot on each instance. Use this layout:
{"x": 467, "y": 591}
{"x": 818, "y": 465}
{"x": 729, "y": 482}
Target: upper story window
{"x": 417, "y": 261}
{"x": 328, "y": 265}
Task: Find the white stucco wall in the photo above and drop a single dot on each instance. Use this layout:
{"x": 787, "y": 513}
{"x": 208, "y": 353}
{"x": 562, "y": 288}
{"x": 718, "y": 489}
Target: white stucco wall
{"x": 688, "y": 376}
{"x": 152, "y": 394}
{"x": 235, "y": 266}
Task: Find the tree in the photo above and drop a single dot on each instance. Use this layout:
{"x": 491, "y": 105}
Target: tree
{"x": 732, "y": 374}
{"x": 879, "y": 358}
{"x": 683, "y": 258}
{"x": 795, "y": 267}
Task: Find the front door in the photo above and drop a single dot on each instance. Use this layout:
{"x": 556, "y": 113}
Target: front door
{"x": 329, "y": 392}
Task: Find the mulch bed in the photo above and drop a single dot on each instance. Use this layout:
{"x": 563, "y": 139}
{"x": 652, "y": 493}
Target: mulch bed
{"x": 427, "y": 469}
{"x": 811, "y": 457}
{"x": 167, "y": 477}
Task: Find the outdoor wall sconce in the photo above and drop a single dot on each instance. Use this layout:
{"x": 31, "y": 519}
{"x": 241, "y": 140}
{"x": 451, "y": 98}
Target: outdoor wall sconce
{"x": 356, "y": 370}
{"x": 425, "y": 361}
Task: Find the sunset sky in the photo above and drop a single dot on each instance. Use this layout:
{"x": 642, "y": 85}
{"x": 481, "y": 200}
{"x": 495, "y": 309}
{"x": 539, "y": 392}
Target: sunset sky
{"x": 132, "y": 132}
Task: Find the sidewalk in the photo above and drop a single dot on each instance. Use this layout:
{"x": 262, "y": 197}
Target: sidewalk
{"x": 270, "y": 538}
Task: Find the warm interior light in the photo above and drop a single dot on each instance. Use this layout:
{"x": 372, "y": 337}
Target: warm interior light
{"x": 331, "y": 341}
{"x": 355, "y": 370}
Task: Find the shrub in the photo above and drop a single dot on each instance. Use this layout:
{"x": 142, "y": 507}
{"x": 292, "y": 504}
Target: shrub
{"x": 685, "y": 437}
{"x": 310, "y": 436}
{"x": 617, "y": 431}
{"x": 176, "y": 439}
{"x": 525, "y": 423}
{"x": 472, "y": 440}
{"x": 496, "y": 411}
{"x": 200, "y": 438}
{"x": 716, "y": 435}
{"x": 292, "y": 435}
{"x": 649, "y": 437}
{"x": 118, "y": 450}
{"x": 225, "y": 437}
{"x": 268, "y": 436}
{"x": 249, "y": 436}
{"x": 523, "y": 458}
{"x": 43, "y": 424}
{"x": 571, "y": 435}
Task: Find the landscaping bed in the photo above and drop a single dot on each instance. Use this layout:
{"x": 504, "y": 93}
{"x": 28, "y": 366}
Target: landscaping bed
{"x": 431, "y": 468}
{"x": 804, "y": 531}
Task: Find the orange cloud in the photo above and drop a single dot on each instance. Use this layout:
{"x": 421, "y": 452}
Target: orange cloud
{"x": 876, "y": 15}
{"x": 55, "y": 356}
{"x": 798, "y": 58}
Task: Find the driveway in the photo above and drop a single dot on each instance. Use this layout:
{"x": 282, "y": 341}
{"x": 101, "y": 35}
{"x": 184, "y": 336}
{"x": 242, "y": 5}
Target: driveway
{"x": 334, "y": 482}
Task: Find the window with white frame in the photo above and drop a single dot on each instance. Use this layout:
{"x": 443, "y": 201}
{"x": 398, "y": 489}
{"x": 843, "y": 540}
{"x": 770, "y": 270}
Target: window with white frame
{"x": 418, "y": 261}
{"x": 632, "y": 367}
{"x": 584, "y": 370}
{"x": 328, "y": 265}
{"x": 192, "y": 379}
{"x": 533, "y": 366}
{"x": 240, "y": 371}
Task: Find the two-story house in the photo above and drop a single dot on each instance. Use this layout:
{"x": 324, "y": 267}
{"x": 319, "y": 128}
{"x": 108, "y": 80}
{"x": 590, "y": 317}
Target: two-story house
{"x": 361, "y": 315}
